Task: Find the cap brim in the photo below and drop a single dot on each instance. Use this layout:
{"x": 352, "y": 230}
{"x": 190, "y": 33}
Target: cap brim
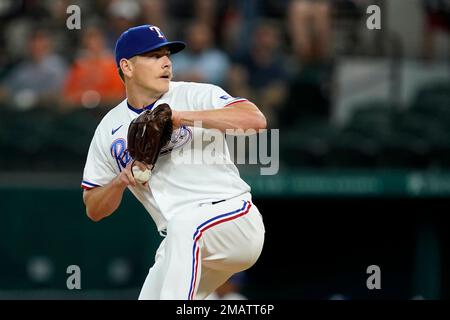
{"x": 174, "y": 47}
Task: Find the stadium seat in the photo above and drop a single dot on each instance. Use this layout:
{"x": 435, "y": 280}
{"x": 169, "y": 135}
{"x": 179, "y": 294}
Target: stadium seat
{"x": 26, "y": 134}
{"x": 307, "y": 144}
{"x": 372, "y": 119}
{"x": 73, "y": 134}
{"x": 436, "y": 89}
{"x": 433, "y": 100}
{"x": 403, "y": 150}
{"x": 421, "y": 126}
{"x": 437, "y": 107}
{"x": 351, "y": 149}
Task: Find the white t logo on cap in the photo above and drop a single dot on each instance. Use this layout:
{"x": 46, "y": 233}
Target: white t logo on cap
{"x": 158, "y": 31}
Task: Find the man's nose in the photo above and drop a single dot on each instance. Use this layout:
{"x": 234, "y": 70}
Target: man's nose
{"x": 166, "y": 62}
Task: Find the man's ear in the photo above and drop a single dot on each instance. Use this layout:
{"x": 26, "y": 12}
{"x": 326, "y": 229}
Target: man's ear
{"x": 127, "y": 67}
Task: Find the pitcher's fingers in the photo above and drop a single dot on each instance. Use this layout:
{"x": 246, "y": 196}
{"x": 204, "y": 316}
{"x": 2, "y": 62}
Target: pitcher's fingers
{"x": 129, "y": 175}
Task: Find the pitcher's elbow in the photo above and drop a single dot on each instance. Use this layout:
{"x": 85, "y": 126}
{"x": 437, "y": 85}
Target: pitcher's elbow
{"x": 261, "y": 122}
{"x": 93, "y": 215}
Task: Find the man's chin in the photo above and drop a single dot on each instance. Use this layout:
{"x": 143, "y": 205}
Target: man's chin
{"x": 160, "y": 90}
{"x": 165, "y": 87}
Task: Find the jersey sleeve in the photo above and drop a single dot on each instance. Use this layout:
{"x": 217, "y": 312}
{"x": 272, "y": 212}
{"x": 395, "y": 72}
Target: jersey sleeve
{"x": 97, "y": 171}
{"x": 208, "y": 96}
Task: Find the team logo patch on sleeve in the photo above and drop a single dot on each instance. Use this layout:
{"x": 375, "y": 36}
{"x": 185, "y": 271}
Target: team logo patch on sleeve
{"x": 179, "y": 138}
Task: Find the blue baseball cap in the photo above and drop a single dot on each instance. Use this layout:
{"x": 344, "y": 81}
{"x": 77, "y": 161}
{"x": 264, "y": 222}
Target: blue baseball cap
{"x": 142, "y": 39}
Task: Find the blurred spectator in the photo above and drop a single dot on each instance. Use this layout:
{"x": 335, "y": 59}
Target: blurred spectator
{"x": 437, "y": 20}
{"x": 9, "y": 9}
{"x": 231, "y": 31}
{"x": 182, "y": 13}
{"x": 65, "y": 39}
{"x": 154, "y": 12}
{"x": 37, "y": 80}
{"x": 310, "y": 68}
{"x": 313, "y": 26}
{"x": 122, "y": 15}
{"x": 264, "y": 66}
{"x": 275, "y": 9}
{"x": 309, "y": 25}
{"x": 200, "y": 62}
{"x": 93, "y": 78}
{"x": 17, "y": 33}
{"x": 205, "y": 12}
{"x": 347, "y": 37}
{"x": 309, "y": 94}
{"x": 231, "y": 289}
{"x": 239, "y": 84}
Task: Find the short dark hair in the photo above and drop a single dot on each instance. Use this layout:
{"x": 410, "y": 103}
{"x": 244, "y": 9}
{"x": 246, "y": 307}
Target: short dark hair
{"x": 121, "y": 74}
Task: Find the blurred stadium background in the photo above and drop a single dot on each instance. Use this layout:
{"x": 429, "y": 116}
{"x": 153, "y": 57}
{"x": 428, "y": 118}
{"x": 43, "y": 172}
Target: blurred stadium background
{"x": 364, "y": 119}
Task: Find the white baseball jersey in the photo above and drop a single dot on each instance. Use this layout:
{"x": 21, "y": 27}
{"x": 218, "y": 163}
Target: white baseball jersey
{"x": 174, "y": 186}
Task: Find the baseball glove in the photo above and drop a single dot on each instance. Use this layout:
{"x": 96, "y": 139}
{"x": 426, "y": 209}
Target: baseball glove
{"x": 148, "y": 133}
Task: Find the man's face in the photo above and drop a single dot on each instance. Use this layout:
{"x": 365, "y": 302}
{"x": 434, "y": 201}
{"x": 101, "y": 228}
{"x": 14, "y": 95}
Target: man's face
{"x": 153, "y": 70}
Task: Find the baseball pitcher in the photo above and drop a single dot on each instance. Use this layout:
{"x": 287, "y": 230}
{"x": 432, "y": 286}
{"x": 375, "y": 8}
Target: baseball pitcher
{"x": 211, "y": 229}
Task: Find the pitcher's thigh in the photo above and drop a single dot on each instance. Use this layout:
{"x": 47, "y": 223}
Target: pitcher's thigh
{"x": 232, "y": 246}
{"x": 210, "y": 280}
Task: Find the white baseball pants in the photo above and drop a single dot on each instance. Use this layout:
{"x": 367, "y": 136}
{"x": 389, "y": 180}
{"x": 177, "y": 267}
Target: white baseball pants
{"x": 203, "y": 248}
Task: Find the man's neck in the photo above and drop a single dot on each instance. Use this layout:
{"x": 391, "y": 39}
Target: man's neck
{"x": 139, "y": 99}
